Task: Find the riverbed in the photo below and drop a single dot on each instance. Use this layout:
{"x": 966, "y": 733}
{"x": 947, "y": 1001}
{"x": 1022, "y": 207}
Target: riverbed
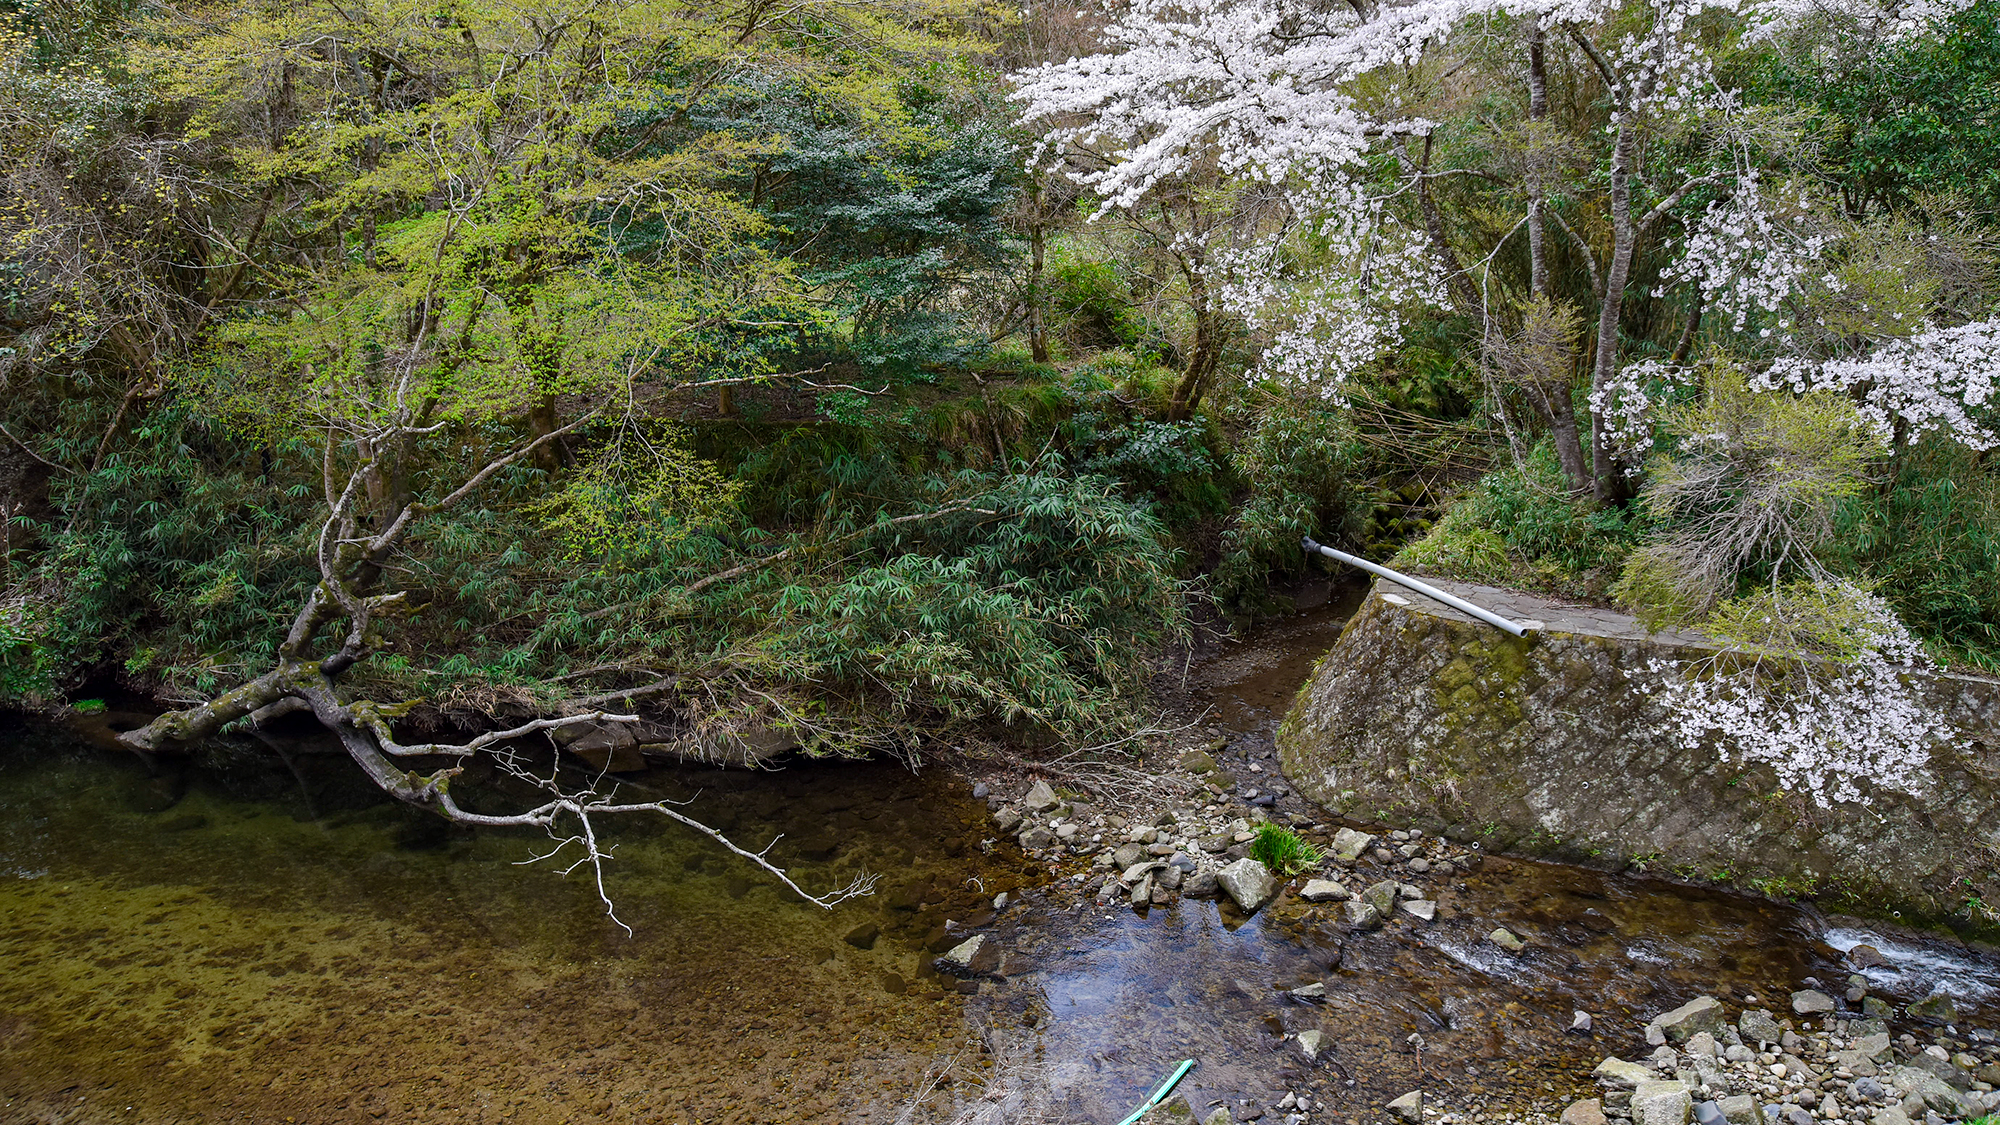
{"x": 252, "y": 937}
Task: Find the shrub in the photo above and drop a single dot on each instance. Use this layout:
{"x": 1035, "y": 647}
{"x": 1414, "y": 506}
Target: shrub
{"x": 1283, "y": 850}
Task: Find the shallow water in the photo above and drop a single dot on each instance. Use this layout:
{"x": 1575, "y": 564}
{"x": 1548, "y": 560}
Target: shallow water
{"x": 254, "y": 943}
{"x": 248, "y": 938}
{"x": 1128, "y": 995}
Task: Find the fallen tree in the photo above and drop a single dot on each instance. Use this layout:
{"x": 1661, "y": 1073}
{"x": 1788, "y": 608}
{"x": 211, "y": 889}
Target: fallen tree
{"x": 340, "y": 624}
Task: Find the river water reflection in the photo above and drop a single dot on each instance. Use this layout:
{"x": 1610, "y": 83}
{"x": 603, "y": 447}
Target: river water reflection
{"x": 244, "y": 938}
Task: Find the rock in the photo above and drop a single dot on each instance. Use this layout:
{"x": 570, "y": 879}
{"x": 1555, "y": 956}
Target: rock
{"x": 1347, "y": 844}
{"x": 1579, "y": 1022}
{"x": 1169, "y": 877}
{"x": 1358, "y": 915}
{"x": 1382, "y": 896}
{"x": 1505, "y": 939}
{"x": 1035, "y": 839}
{"x": 1249, "y": 882}
{"x": 981, "y": 791}
{"x": 1617, "y": 1074}
{"x": 1933, "y": 1090}
{"x": 1202, "y": 884}
{"x": 1589, "y": 1111}
{"x": 1420, "y": 866}
{"x": 1796, "y": 1115}
{"x": 1314, "y": 991}
{"x": 1867, "y": 1089}
{"x": 1040, "y": 798}
{"x": 862, "y": 936}
{"x": 1007, "y": 819}
{"x": 1892, "y": 1115}
{"x": 1739, "y": 1109}
{"x": 1935, "y": 1008}
{"x": 1216, "y": 843}
{"x": 1142, "y": 891}
{"x": 1000, "y": 901}
{"x": 1324, "y": 890}
{"x": 1865, "y": 957}
{"x": 1703, "y": 1013}
{"x": 1661, "y": 1103}
{"x": 1422, "y": 909}
{"x": 1139, "y": 870}
{"x": 1876, "y": 1008}
{"x": 1829, "y": 1109}
{"x": 1709, "y": 1113}
{"x": 1738, "y": 1053}
{"x": 1128, "y": 854}
{"x": 1757, "y": 1026}
{"x": 1811, "y": 1001}
{"x": 1198, "y": 761}
{"x": 975, "y": 956}
{"x": 1312, "y": 1042}
{"x": 1410, "y": 892}
{"x": 1175, "y": 1109}
{"x": 1220, "y": 1115}
{"x": 1701, "y": 1045}
{"x": 1409, "y": 1107}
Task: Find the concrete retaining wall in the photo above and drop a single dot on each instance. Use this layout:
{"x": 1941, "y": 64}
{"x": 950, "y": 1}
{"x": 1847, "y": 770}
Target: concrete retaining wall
{"x": 1544, "y": 746}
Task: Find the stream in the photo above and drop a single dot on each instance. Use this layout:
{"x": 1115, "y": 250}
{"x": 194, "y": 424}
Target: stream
{"x": 245, "y": 937}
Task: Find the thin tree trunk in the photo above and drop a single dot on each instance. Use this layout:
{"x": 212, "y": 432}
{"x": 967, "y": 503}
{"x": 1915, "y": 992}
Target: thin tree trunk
{"x": 1624, "y": 236}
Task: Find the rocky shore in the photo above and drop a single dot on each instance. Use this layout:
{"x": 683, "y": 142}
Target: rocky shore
{"x": 1829, "y": 1059}
{"x": 1829, "y": 1054}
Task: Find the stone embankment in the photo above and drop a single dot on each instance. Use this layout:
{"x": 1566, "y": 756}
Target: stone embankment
{"x": 1824, "y": 1062}
{"x": 1551, "y": 746}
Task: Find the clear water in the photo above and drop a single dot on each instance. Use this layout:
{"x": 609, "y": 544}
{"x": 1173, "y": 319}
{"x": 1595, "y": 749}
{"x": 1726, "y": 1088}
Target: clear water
{"x": 245, "y": 938}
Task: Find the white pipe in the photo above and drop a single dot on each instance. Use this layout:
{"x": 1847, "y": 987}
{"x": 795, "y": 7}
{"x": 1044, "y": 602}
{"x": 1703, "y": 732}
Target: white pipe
{"x": 1424, "y": 588}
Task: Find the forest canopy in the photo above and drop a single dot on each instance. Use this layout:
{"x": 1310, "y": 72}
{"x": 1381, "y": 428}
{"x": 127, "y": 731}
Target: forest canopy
{"x": 858, "y": 377}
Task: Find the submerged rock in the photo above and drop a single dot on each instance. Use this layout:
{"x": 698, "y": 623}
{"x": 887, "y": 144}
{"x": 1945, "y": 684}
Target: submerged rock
{"x": 977, "y": 955}
{"x": 1505, "y": 939}
{"x": 1312, "y": 1042}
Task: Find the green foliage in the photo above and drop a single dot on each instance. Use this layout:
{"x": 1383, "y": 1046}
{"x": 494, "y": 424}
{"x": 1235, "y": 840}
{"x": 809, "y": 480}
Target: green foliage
{"x": 1521, "y": 526}
{"x": 636, "y": 500}
{"x": 1283, "y": 850}
{"x": 1747, "y": 489}
{"x": 1918, "y": 114}
{"x": 1929, "y": 542}
{"x": 1299, "y": 462}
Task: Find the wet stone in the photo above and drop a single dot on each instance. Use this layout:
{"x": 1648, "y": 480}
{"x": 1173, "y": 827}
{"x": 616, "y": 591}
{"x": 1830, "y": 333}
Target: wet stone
{"x": 1505, "y": 939}
{"x": 1358, "y": 915}
{"x": 862, "y": 936}
{"x": 1324, "y": 890}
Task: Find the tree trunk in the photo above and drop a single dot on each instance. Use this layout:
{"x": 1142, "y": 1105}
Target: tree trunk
{"x": 1038, "y": 330}
{"x": 1556, "y": 396}
{"x": 1624, "y": 236}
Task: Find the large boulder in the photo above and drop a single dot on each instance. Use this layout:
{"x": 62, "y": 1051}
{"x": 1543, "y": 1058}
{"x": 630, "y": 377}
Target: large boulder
{"x": 1661, "y": 1103}
{"x": 1324, "y": 890}
{"x": 1249, "y": 882}
{"x": 1348, "y": 844}
{"x": 1703, "y": 1013}
{"x": 1617, "y": 1074}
